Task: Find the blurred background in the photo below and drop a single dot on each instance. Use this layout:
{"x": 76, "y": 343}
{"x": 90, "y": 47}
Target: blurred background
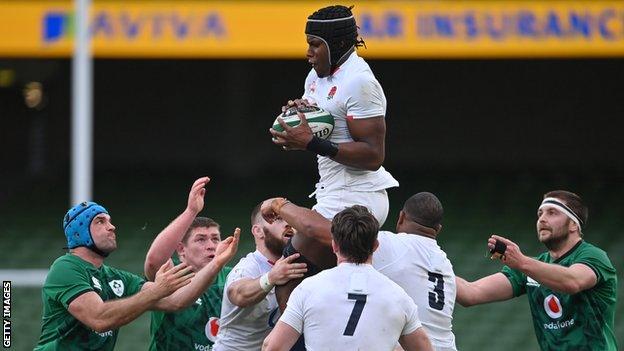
{"x": 490, "y": 105}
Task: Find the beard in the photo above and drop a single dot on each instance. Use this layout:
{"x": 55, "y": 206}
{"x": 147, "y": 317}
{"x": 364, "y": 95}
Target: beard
{"x": 556, "y": 239}
{"x": 274, "y": 244}
{"x": 107, "y": 247}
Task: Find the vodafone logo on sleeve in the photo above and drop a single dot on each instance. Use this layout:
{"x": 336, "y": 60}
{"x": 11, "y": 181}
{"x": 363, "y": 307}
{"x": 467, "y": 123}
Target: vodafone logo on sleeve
{"x": 552, "y": 306}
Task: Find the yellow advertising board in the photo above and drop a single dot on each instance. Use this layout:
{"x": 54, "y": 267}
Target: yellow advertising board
{"x": 274, "y": 29}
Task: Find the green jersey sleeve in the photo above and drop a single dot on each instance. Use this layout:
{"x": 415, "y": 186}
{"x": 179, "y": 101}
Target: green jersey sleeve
{"x": 598, "y": 261}
{"x": 517, "y": 279}
{"x": 66, "y": 281}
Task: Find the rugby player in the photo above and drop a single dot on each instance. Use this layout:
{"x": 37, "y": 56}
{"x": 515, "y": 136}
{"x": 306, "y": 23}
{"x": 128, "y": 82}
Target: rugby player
{"x": 85, "y": 301}
{"x": 363, "y": 310}
{"x": 571, "y": 288}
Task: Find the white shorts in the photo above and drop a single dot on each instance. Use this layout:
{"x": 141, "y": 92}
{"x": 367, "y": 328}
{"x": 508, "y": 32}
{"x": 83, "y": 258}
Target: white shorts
{"x": 329, "y": 203}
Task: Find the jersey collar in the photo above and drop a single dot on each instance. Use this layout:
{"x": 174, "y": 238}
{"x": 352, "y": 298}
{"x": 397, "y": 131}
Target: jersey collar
{"x": 569, "y": 252}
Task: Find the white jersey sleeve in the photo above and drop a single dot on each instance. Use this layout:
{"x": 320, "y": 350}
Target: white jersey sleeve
{"x": 364, "y": 97}
{"x": 244, "y": 328}
{"x": 294, "y": 313}
{"x": 413, "y": 322}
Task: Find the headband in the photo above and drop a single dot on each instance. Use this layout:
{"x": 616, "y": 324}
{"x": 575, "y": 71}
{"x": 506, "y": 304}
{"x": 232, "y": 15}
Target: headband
{"x": 556, "y": 203}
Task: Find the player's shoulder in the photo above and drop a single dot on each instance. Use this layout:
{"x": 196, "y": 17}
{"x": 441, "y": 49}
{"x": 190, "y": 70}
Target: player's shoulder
{"x": 388, "y": 288}
{"x": 69, "y": 261}
{"x": 586, "y": 249}
{"x": 66, "y": 269}
{"x": 248, "y": 266}
{"x": 113, "y": 271}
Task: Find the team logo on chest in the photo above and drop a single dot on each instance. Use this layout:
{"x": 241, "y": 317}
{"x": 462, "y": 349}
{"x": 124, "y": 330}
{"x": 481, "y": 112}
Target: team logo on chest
{"x": 117, "y": 286}
{"x": 332, "y": 92}
{"x": 552, "y": 306}
{"x": 212, "y": 329}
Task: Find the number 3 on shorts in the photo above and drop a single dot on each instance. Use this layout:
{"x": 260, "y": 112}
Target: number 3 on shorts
{"x": 360, "y": 301}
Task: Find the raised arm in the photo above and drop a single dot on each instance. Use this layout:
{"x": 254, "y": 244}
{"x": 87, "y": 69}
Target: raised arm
{"x": 495, "y": 287}
{"x": 166, "y": 242}
{"x": 307, "y": 222}
{"x": 248, "y": 292}
{"x": 569, "y": 280}
{"x": 102, "y": 316}
{"x": 187, "y": 295}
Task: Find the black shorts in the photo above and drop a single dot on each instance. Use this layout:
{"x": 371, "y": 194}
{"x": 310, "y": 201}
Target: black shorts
{"x": 312, "y": 268}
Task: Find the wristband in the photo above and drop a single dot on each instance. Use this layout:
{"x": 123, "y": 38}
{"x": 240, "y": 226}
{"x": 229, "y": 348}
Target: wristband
{"x": 498, "y": 251}
{"x": 265, "y": 285}
{"x": 322, "y": 147}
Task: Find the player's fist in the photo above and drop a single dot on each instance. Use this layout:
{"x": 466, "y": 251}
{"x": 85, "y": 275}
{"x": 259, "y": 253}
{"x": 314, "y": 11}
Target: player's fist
{"x": 271, "y": 207}
{"x": 513, "y": 257}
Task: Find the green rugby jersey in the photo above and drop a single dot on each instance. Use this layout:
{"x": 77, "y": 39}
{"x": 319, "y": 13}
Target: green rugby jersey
{"x": 583, "y": 321}
{"x": 69, "y": 277}
{"x": 194, "y": 328}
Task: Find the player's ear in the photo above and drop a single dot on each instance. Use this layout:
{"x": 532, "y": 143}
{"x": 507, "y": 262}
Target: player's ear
{"x": 180, "y": 249}
{"x": 439, "y": 229}
{"x": 401, "y": 217}
{"x": 257, "y": 231}
{"x": 334, "y": 246}
{"x": 375, "y": 245}
{"x": 573, "y": 227}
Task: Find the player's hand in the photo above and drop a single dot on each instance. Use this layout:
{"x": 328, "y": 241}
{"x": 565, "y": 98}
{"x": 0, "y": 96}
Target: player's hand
{"x": 227, "y": 248}
{"x": 296, "y": 103}
{"x": 196, "y": 195}
{"x": 170, "y": 278}
{"x": 268, "y": 214}
{"x": 293, "y": 138}
{"x": 513, "y": 257}
{"x": 285, "y": 270}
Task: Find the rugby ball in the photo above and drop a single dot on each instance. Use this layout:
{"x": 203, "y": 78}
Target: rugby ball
{"x": 320, "y": 121}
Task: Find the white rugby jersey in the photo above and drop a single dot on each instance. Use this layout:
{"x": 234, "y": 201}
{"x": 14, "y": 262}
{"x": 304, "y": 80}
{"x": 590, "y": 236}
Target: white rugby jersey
{"x": 418, "y": 265}
{"x": 351, "y": 92}
{"x": 350, "y": 307}
{"x": 240, "y": 328}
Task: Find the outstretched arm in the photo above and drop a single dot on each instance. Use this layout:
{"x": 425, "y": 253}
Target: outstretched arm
{"x": 166, "y": 242}
{"x": 569, "y": 280}
{"x": 307, "y": 222}
{"x": 187, "y": 295}
{"x": 102, "y": 316}
{"x": 495, "y": 287}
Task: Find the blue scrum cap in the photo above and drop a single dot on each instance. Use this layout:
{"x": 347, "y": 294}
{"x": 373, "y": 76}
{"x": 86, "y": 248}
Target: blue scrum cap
{"x": 76, "y": 224}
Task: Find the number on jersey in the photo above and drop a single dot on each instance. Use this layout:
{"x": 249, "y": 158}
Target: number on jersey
{"x": 436, "y": 297}
{"x": 356, "y": 313}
